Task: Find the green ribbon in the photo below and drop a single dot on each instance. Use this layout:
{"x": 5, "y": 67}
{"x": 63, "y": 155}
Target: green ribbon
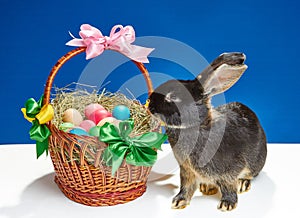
{"x": 38, "y": 132}
{"x": 32, "y": 107}
{"x": 138, "y": 151}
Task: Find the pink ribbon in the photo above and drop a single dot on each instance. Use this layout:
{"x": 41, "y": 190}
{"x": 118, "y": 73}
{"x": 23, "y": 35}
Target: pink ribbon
{"x": 119, "y": 39}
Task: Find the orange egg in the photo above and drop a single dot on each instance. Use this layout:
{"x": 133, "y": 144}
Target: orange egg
{"x": 72, "y": 115}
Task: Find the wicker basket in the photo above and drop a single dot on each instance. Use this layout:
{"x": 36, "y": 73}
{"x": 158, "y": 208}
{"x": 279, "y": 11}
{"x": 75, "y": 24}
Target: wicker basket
{"x": 81, "y": 181}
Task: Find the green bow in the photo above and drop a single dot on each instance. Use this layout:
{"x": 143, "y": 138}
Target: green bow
{"x": 38, "y": 114}
{"x": 138, "y": 151}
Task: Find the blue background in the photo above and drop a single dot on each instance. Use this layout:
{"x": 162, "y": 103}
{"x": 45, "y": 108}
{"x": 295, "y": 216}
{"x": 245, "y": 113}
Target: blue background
{"x": 33, "y": 34}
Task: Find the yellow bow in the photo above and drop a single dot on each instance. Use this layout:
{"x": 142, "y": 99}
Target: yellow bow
{"x": 45, "y": 115}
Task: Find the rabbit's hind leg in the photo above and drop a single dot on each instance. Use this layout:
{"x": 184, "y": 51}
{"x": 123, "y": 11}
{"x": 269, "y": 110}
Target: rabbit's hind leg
{"x": 244, "y": 181}
{"x": 244, "y": 185}
{"x": 208, "y": 189}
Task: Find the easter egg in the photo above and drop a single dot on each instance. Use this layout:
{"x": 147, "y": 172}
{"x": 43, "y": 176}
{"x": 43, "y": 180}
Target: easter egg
{"x": 72, "y": 115}
{"x": 116, "y": 122}
{"x": 106, "y": 119}
{"x": 78, "y": 131}
{"x": 87, "y": 124}
{"x": 95, "y": 131}
{"x": 121, "y": 112}
{"x": 91, "y": 108}
{"x": 98, "y": 115}
{"x": 66, "y": 126}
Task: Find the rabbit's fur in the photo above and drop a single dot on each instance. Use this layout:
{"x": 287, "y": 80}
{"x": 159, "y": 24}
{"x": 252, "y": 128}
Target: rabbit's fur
{"x": 218, "y": 149}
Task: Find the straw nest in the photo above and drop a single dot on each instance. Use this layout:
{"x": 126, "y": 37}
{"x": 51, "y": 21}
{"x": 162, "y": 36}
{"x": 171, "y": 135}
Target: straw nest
{"x": 78, "y": 99}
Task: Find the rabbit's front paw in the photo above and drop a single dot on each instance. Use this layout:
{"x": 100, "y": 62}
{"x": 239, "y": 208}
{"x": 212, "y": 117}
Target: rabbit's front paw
{"x": 244, "y": 185}
{"x": 179, "y": 202}
{"x": 208, "y": 189}
{"x": 227, "y": 205}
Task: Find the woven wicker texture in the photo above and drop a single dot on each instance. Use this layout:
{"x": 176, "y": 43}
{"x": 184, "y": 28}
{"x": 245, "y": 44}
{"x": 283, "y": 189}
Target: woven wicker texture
{"x": 80, "y": 174}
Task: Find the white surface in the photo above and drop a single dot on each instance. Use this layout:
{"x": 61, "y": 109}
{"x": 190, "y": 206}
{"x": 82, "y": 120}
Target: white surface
{"x": 27, "y": 190}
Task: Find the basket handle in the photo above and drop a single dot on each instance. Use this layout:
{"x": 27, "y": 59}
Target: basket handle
{"x": 75, "y": 52}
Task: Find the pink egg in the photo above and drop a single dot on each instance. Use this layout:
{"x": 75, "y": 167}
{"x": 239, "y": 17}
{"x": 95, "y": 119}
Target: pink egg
{"x": 91, "y": 108}
{"x": 98, "y": 115}
{"x": 87, "y": 124}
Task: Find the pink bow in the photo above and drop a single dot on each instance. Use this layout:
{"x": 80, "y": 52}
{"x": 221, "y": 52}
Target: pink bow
{"x": 120, "y": 39}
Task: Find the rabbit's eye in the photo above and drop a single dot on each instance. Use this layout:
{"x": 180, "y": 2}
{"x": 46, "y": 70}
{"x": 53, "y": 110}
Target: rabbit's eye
{"x": 171, "y": 97}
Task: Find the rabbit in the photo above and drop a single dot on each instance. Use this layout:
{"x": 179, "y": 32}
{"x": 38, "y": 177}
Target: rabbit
{"x": 217, "y": 149}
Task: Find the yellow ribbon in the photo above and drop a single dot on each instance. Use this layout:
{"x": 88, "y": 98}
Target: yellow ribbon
{"x": 25, "y": 116}
{"x": 45, "y": 115}
{"x": 147, "y": 103}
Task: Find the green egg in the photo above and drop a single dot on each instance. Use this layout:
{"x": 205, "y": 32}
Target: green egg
{"x": 66, "y": 126}
{"x": 95, "y": 131}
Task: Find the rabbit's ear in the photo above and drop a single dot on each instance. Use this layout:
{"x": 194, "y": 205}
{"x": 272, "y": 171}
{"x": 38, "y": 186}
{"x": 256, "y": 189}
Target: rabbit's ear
{"x": 223, "y": 73}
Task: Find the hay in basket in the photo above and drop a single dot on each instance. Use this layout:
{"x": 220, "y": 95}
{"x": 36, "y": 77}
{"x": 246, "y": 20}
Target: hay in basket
{"x": 112, "y": 168}
{"x": 78, "y": 99}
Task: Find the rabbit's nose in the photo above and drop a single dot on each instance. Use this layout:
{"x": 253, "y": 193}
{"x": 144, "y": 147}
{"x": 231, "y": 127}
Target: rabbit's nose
{"x": 233, "y": 58}
{"x": 240, "y": 57}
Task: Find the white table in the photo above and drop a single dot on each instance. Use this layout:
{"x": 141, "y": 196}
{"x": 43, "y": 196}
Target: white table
{"x": 27, "y": 190}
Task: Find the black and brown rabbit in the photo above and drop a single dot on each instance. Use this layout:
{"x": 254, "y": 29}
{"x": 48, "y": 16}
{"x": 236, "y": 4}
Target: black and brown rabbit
{"x": 218, "y": 149}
